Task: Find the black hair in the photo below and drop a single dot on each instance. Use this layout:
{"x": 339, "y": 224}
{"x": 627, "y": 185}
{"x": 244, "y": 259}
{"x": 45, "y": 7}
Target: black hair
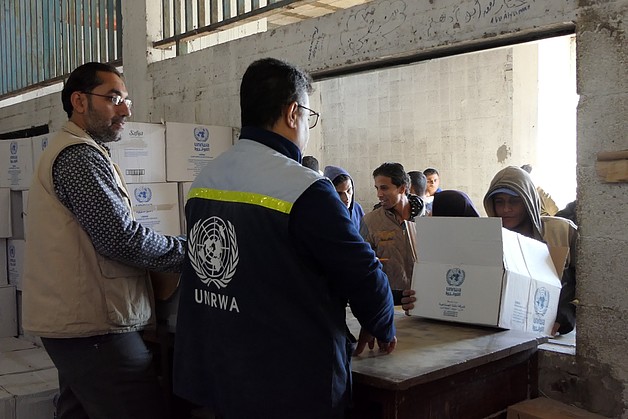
{"x": 268, "y": 85}
{"x": 418, "y": 181}
{"x": 430, "y": 171}
{"x": 340, "y": 179}
{"x": 311, "y": 162}
{"x": 84, "y": 79}
{"x": 396, "y": 173}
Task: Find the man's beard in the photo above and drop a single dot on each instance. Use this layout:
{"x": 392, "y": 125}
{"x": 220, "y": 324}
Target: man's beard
{"x": 102, "y": 129}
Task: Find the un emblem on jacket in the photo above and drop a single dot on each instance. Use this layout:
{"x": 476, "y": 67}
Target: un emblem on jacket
{"x": 213, "y": 251}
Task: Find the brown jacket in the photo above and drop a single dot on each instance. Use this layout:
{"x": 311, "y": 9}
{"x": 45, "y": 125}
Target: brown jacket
{"x": 391, "y": 244}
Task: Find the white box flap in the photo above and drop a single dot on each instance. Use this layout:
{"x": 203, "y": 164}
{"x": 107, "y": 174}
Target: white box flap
{"x": 470, "y": 241}
{"x": 543, "y": 268}
{"x": 513, "y": 257}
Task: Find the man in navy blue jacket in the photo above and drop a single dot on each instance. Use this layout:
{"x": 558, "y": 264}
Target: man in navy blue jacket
{"x": 273, "y": 259}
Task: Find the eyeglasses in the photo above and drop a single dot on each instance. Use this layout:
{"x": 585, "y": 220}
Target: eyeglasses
{"x": 115, "y": 99}
{"x": 312, "y": 118}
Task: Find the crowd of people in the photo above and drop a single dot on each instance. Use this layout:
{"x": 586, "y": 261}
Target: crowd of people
{"x": 269, "y": 263}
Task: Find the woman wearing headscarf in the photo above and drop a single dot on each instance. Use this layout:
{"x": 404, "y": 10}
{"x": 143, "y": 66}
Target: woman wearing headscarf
{"x": 452, "y": 203}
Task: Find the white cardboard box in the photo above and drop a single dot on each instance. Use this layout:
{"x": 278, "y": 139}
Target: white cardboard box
{"x": 15, "y": 261}
{"x": 18, "y": 306}
{"x": 4, "y": 268}
{"x": 40, "y": 143}
{"x": 141, "y": 153}
{"x": 184, "y": 188}
{"x": 7, "y": 405}
{"x": 24, "y": 208}
{"x": 16, "y": 163}
{"x": 17, "y": 214}
{"x": 156, "y": 205}
{"x": 26, "y": 360}
{"x": 190, "y": 146}
{"x": 33, "y": 392}
{"x": 8, "y": 312}
{"x": 14, "y": 344}
{"x": 5, "y": 212}
{"x": 471, "y": 270}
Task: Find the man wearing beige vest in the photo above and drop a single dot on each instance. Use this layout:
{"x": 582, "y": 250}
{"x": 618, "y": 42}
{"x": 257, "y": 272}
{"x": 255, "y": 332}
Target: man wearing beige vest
{"x": 86, "y": 290}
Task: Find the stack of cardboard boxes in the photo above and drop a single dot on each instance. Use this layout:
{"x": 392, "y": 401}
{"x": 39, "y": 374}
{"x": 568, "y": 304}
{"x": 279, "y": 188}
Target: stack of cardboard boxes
{"x": 159, "y": 162}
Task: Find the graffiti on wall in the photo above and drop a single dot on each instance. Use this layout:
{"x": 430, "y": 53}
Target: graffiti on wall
{"x": 368, "y": 27}
{"x": 377, "y": 25}
{"x": 495, "y": 11}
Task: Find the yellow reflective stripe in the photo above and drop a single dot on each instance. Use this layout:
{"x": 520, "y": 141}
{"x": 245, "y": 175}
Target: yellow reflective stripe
{"x": 242, "y": 197}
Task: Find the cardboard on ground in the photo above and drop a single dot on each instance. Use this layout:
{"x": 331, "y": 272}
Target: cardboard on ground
{"x": 471, "y": 270}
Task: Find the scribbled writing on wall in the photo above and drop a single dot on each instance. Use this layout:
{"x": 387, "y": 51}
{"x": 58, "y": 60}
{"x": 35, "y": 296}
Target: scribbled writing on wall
{"x": 315, "y": 43}
{"x": 371, "y": 25}
{"x": 495, "y": 11}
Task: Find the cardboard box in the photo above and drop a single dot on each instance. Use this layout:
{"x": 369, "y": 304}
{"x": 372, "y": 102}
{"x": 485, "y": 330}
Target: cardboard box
{"x": 156, "y": 205}
{"x": 544, "y": 408}
{"x": 16, "y": 163}
{"x": 471, "y": 270}
{"x": 184, "y": 188}
{"x": 190, "y": 146}
{"x": 40, "y": 143}
{"x": 14, "y": 344}
{"x": 33, "y": 392}
{"x": 24, "y": 209}
{"x": 7, "y": 405}
{"x": 4, "y": 268}
{"x": 141, "y": 153}
{"x": 8, "y": 312}
{"x": 5, "y": 212}
{"x": 18, "y": 306}
{"x": 26, "y": 360}
{"x": 17, "y": 214}
{"x": 15, "y": 261}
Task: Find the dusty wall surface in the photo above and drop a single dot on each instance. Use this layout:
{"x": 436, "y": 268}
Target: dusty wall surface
{"x": 202, "y": 87}
{"x": 455, "y": 114}
{"x": 602, "y": 61}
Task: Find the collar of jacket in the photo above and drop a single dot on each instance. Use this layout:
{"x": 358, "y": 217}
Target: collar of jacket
{"x": 273, "y": 140}
{"x": 74, "y": 129}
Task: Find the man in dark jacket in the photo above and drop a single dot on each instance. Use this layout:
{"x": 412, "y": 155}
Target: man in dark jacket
{"x": 272, "y": 261}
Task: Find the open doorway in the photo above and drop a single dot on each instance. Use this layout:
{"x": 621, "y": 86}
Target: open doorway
{"x": 467, "y": 115}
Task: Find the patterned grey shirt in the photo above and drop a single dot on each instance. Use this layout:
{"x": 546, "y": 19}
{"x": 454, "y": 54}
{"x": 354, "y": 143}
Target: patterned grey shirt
{"x": 85, "y": 183}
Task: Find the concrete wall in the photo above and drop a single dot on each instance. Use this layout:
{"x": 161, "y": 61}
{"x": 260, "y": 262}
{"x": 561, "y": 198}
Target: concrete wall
{"x": 202, "y": 87}
{"x": 602, "y": 125}
{"x": 453, "y": 113}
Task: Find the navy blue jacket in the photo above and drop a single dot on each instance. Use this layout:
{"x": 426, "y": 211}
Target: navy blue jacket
{"x": 273, "y": 258}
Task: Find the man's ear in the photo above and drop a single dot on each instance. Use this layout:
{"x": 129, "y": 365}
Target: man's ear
{"x": 79, "y": 102}
{"x": 292, "y": 115}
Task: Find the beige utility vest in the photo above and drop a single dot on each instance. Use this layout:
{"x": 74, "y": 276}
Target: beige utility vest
{"x": 69, "y": 289}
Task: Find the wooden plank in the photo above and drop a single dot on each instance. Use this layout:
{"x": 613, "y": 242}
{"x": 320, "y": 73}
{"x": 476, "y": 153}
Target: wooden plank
{"x": 613, "y": 171}
{"x": 612, "y": 155}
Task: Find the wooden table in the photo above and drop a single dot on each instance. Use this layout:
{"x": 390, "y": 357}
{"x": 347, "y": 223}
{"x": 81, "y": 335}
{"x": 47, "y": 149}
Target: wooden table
{"x": 445, "y": 370}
